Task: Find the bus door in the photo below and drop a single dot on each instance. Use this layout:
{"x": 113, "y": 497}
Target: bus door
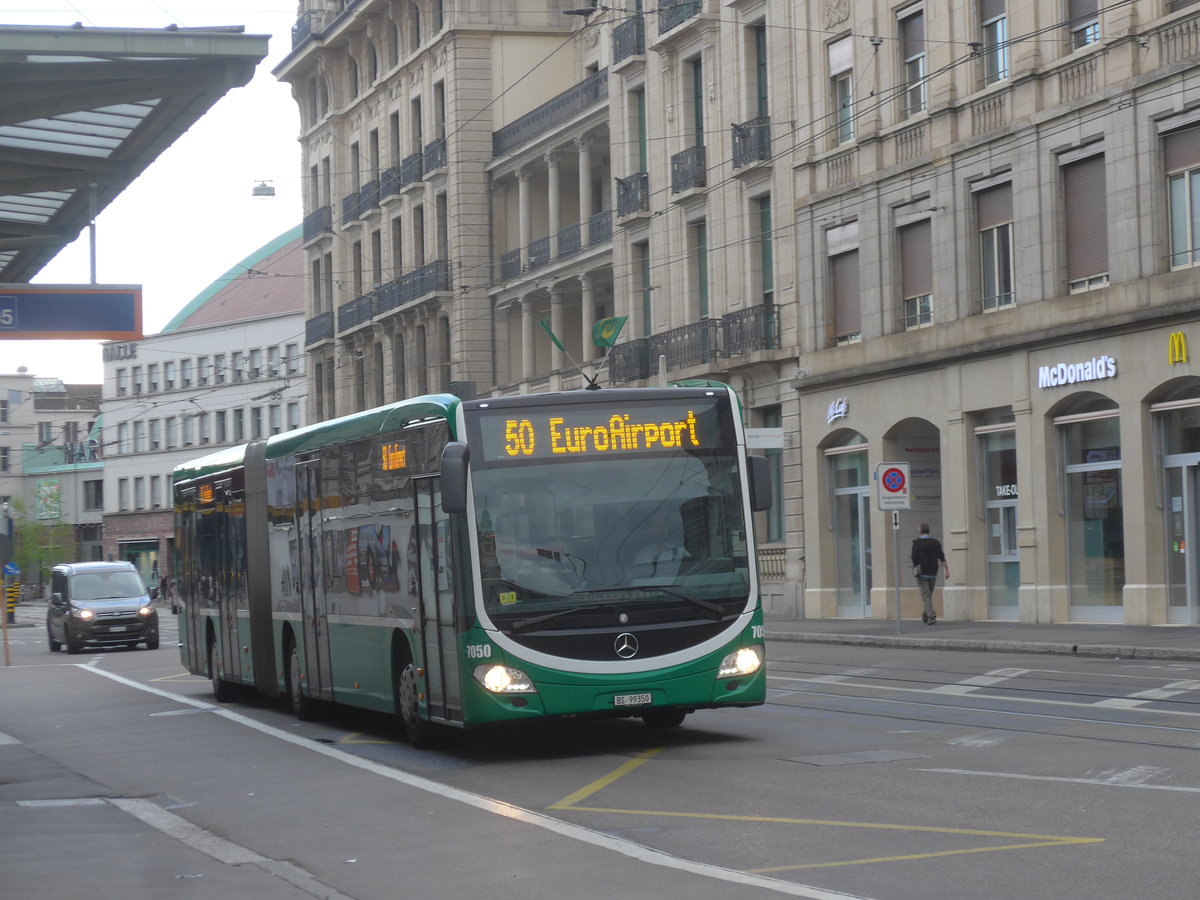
{"x": 309, "y": 559}
{"x": 191, "y": 599}
{"x": 229, "y": 581}
{"x": 439, "y": 634}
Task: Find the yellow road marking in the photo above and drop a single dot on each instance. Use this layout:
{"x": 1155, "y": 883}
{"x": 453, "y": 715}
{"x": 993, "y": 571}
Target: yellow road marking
{"x": 1031, "y": 840}
{"x": 600, "y": 783}
{"x": 352, "y": 738}
{"x": 182, "y": 675}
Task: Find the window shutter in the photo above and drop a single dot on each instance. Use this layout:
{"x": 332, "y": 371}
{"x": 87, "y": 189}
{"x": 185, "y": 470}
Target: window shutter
{"x": 843, "y": 270}
{"x": 990, "y": 9}
{"x": 916, "y": 259}
{"x": 841, "y": 55}
{"x": 1181, "y": 149}
{"x": 994, "y": 206}
{"x": 1080, "y": 11}
{"x": 1086, "y": 205}
{"x": 912, "y": 35}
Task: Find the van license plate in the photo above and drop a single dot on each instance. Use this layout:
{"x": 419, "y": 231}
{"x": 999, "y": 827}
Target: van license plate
{"x": 116, "y": 628}
{"x": 631, "y": 700}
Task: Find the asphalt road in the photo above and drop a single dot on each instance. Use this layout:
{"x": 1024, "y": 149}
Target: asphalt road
{"x": 870, "y": 773}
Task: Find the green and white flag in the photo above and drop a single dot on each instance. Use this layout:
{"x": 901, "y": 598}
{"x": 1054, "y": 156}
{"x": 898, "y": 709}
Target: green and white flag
{"x": 605, "y": 332}
{"x": 545, "y": 323}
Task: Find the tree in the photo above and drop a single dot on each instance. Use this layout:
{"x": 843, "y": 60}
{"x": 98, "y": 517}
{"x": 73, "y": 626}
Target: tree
{"x": 39, "y": 545}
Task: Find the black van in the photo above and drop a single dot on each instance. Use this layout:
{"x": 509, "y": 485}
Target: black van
{"x": 102, "y": 604}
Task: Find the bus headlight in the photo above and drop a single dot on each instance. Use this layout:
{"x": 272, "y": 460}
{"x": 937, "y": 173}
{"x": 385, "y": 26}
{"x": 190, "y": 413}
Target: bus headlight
{"x": 746, "y": 661}
{"x": 504, "y": 680}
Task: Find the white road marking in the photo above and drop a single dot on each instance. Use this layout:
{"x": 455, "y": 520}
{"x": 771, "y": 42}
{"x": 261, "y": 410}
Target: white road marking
{"x": 1101, "y": 782}
{"x": 499, "y": 807}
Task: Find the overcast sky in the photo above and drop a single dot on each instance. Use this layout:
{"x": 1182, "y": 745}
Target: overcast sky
{"x": 190, "y": 216}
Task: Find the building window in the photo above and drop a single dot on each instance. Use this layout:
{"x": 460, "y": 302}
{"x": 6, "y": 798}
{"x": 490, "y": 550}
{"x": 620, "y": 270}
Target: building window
{"x": 841, "y": 75}
{"x": 842, "y": 247}
{"x": 275, "y": 419}
{"x": 222, "y": 430}
{"x": 916, "y": 273}
{"x": 698, "y": 254}
{"x": 764, "y": 271}
{"x": 993, "y": 208}
{"x": 1083, "y": 20}
{"x": 994, "y": 30}
{"x": 139, "y": 437}
{"x": 219, "y": 372}
{"x": 45, "y": 432}
{"x": 203, "y": 369}
{"x": 293, "y": 358}
{"x": 3, "y": 459}
{"x": 93, "y": 494}
{"x": 168, "y": 376}
{"x": 273, "y": 361}
{"x": 189, "y": 430}
{"x": 122, "y": 494}
{"x": 203, "y": 428}
{"x": 239, "y": 366}
{"x": 122, "y": 382}
{"x": 155, "y": 434}
{"x": 137, "y": 379}
{"x": 772, "y": 417}
{"x": 152, "y": 377}
{"x": 360, "y": 381}
{"x": 185, "y": 373}
{"x": 1085, "y": 223}
{"x": 171, "y": 427}
{"x": 293, "y": 416}
{"x": 912, "y": 51}
{"x": 155, "y": 493}
{"x": 319, "y": 394}
{"x": 256, "y": 358}
{"x": 123, "y": 438}
{"x": 239, "y": 425}
{"x": 256, "y": 422}
{"x": 1181, "y": 158}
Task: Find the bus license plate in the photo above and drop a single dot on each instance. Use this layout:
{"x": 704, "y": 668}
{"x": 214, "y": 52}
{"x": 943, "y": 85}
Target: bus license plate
{"x": 631, "y": 700}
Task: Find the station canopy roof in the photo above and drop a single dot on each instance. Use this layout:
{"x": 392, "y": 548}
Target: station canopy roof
{"x": 85, "y": 110}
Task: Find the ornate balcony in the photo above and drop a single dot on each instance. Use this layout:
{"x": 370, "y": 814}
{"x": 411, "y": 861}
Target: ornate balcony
{"x": 629, "y": 39}
{"x": 318, "y": 328}
{"x": 368, "y": 197}
{"x": 539, "y": 252}
{"x": 360, "y": 309}
{"x": 745, "y": 330}
{"x": 689, "y": 170}
{"x": 434, "y": 157}
{"x": 550, "y": 115}
{"x": 569, "y": 240}
{"x": 675, "y": 12}
{"x": 633, "y": 194}
{"x": 510, "y": 265}
{"x": 412, "y": 169}
{"x": 350, "y": 207}
{"x": 600, "y": 227}
{"x": 389, "y": 182}
{"x": 318, "y": 222}
{"x": 410, "y": 286}
{"x": 629, "y": 361}
{"x": 752, "y": 142}
{"x": 696, "y": 344}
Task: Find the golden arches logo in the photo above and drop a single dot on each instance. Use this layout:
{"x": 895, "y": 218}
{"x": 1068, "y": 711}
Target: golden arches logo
{"x": 1177, "y": 351}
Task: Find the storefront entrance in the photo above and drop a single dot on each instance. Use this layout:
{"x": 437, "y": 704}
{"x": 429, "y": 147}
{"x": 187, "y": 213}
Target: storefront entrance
{"x": 852, "y": 531}
{"x": 1182, "y": 531}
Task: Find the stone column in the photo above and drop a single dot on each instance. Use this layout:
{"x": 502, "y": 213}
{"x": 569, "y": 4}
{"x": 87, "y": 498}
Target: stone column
{"x": 527, "y": 326}
{"x": 524, "y": 218}
{"x": 552, "y": 172}
{"x": 585, "y": 187}
{"x": 557, "y": 357}
{"x": 587, "y": 314}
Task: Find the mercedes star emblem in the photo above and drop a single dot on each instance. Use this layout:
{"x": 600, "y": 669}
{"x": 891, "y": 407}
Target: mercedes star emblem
{"x": 626, "y": 645}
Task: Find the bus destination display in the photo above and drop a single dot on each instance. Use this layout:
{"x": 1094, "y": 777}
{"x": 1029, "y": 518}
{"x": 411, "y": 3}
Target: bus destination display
{"x": 597, "y": 431}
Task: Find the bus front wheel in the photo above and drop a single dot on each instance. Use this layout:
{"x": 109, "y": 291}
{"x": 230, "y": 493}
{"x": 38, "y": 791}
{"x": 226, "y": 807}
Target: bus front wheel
{"x": 408, "y": 703}
{"x": 664, "y": 718}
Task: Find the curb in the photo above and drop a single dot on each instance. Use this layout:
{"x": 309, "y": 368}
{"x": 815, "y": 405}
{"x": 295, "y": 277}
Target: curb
{"x": 1106, "y": 651}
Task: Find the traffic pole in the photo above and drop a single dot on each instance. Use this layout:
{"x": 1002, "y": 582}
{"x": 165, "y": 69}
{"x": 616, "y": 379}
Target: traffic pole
{"x": 7, "y": 657}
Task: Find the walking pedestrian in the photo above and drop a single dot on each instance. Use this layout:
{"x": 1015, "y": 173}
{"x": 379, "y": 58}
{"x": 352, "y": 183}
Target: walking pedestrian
{"x": 926, "y": 554}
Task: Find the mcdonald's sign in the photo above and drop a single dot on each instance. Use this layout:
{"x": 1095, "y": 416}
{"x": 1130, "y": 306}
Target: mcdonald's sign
{"x": 1177, "y": 348}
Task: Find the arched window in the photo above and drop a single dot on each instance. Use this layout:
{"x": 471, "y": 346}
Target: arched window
{"x": 352, "y": 77}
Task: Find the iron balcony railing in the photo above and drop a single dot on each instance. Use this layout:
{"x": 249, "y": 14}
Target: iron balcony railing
{"x": 754, "y": 328}
{"x": 688, "y": 170}
{"x": 569, "y": 240}
{"x": 368, "y": 197}
{"x": 629, "y": 39}
{"x": 539, "y": 252}
{"x": 318, "y": 328}
{"x": 510, "y": 264}
{"x": 350, "y": 207}
{"x": 700, "y": 343}
{"x": 633, "y": 194}
{"x": 317, "y": 22}
{"x": 412, "y": 169}
{"x": 600, "y": 227}
{"x": 752, "y": 141}
{"x": 318, "y": 222}
{"x": 360, "y": 309}
{"x": 434, "y": 157}
{"x": 675, "y": 12}
{"x": 389, "y": 182}
{"x": 551, "y": 114}
{"x": 431, "y": 277}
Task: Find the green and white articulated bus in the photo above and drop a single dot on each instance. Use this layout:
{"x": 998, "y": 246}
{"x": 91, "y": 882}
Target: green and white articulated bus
{"x": 461, "y": 563}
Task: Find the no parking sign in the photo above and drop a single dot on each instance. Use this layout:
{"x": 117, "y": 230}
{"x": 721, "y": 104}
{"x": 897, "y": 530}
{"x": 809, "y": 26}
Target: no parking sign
{"x": 893, "y": 479}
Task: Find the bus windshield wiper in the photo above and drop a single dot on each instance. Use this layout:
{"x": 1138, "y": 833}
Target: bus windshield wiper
{"x": 670, "y": 590}
{"x": 522, "y": 624}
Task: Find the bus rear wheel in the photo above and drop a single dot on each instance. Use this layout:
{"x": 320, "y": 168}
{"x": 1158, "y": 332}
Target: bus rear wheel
{"x": 408, "y": 705}
{"x": 304, "y": 708}
{"x": 223, "y": 691}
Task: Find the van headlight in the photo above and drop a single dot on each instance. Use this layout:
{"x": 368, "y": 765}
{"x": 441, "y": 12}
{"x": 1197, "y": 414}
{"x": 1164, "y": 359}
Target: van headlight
{"x": 85, "y": 614}
{"x": 745, "y": 661}
{"x": 504, "y": 679}
{"x": 146, "y": 610}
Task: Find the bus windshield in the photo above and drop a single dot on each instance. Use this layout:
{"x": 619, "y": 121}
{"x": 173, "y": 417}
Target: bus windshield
{"x": 582, "y": 514}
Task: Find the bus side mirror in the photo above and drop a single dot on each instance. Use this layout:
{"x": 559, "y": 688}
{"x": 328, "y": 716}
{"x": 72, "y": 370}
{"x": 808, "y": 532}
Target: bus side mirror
{"x": 455, "y": 457}
{"x": 760, "y": 483}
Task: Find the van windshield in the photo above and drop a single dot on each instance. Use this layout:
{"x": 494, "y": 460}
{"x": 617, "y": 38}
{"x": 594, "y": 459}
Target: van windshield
{"x": 106, "y": 586}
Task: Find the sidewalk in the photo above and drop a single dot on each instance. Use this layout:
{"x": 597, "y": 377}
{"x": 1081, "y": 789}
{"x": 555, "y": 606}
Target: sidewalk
{"x": 1078, "y": 639}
